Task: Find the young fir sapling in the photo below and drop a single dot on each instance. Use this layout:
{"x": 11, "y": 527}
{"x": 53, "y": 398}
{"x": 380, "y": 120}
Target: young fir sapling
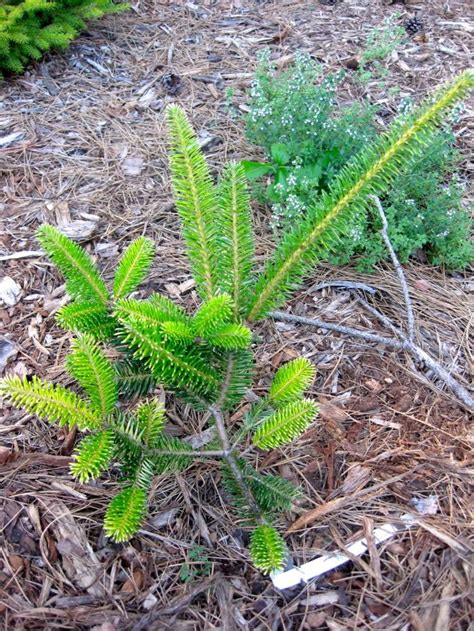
{"x": 204, "y": 358}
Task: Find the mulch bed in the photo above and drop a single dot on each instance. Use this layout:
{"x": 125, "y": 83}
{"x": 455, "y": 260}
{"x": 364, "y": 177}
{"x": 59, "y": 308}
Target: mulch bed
{"x": 91, "y": 148}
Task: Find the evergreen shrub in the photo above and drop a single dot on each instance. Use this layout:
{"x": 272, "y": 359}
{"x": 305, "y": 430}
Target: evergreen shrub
{"x": 29, "y": 28}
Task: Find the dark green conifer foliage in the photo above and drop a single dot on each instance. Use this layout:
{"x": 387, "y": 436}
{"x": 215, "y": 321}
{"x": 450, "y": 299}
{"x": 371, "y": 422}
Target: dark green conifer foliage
{"x": 205, "y": 358}
{"x": 29, "y": 28}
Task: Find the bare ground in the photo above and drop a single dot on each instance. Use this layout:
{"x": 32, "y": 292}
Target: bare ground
{"x": 91, "y": 146}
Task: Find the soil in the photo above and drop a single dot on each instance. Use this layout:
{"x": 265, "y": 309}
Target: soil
{"x": 90, "y": 154}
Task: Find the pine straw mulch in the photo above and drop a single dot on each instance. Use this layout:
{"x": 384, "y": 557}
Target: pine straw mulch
{"x": 91, "y": 147}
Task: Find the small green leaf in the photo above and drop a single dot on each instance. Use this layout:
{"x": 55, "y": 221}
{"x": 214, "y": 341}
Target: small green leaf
{"x": 280, "y": 154}
{"x": 133, "y": 378}
{"x": 179, "y": 332}
{"x": 254, "y": 170}
{"x": 230, "y": 336}
{"x": 271, "y": 492}
{"x": 92, "y": 456}
{"x": 91, "y": 368}
{"x": 311, "y": 171}
{"x": 281, "y": 176}
{"x": 87, "y": 317}
{"x": 196, "y": 200}
{"x": 47, "y": 400}
{"x": 212, "y": 314}
{"x": 82, "y": 278}
{"x": 133, "y": 266}
{"x": 125, "y": 513}
{"x": 235, "y": 236}
{"x": 151, "y": 415}
{"x": 286, "y": 424}
{"x": 168, "y": 308}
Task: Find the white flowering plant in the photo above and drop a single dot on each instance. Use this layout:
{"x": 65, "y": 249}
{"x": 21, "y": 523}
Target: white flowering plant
{"x": 309, "y": 136}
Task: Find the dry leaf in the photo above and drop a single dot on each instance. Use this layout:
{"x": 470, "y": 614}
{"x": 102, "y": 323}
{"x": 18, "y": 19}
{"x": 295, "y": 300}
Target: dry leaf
{"x": 332, "y": 625}
{"x": 68, "y": 441}
{"x": 164, "y": 518}
{"x": 61, "y": 212}
{"x": 173, "y": 290}
{"x": 20, "y": 369}
{"x": 147, "y": 99}
{"x": 367, "y": 404}
{"x": 10, "y": 291}
{"x": 331, "y": 412}
{"x": 33, "y": 514}
{"x": 107, "y": 250}
{"x": 187, "y": 285}
{"x": 6, "y": 455}
{"x": 16, "y": 563}
{"x": 149, "y": 602}
{"x": 357, "y": 477}
{"x": 37, "y": 458}
{"x": 105, "y": 626}
{"x": 316, "y": 619}
{"x": 79, "y": 229}
{"x": 7, "y": 350}
{"x": 326, "y": 598}
{"x": 199, "y": 440}
{"x": 133, "y": 165}
{"x": 405, "y": 403}
{"x": 422, "y": 284}
{"x": 374, "y": 385}
{"x": 135, "y": 583}
{"x": 314, "y": 514}
{"x": 443, "y": 619}
{"x": 79, "y": 560}
{"x": 380, "y": 421}
{"x": 11, "y": 138}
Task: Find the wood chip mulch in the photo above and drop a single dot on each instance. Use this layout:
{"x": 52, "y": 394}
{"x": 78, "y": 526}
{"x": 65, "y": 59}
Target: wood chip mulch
{"x": 87, "y": 151}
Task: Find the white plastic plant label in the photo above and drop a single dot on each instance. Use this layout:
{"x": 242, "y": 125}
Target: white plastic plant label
{"x": 327, "y": 562}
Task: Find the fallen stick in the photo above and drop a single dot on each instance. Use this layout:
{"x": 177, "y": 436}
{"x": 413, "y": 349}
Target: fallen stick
{"x": 33, "y": 459}
{"x": 21, "y": 255}
{"x": 398, "y": 269}
{"x": 404, "y": 344}
{"x": 337, "y": 328}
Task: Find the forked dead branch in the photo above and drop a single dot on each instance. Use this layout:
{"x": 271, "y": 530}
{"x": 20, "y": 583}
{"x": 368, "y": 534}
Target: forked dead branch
{"x": 402, "y": 341}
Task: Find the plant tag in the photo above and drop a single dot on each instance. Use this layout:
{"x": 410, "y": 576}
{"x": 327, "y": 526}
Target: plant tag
{"x": 327, "y": 562}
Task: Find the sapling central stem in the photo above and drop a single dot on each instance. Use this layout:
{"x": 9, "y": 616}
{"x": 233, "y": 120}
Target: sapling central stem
{"x": 231, "y": 460}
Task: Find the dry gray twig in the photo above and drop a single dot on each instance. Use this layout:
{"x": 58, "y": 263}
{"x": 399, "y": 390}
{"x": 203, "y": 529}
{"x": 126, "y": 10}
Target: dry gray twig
{"x": 398, "y": 268}
{"x": 404, "y": 344}
{"x": 338, "y": 328}
{"x": 405, "y": 341}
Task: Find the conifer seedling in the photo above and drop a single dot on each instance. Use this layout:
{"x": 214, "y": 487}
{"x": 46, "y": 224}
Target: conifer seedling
{"x": 30, "y": 28}
{"x": 205, "y": 358}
